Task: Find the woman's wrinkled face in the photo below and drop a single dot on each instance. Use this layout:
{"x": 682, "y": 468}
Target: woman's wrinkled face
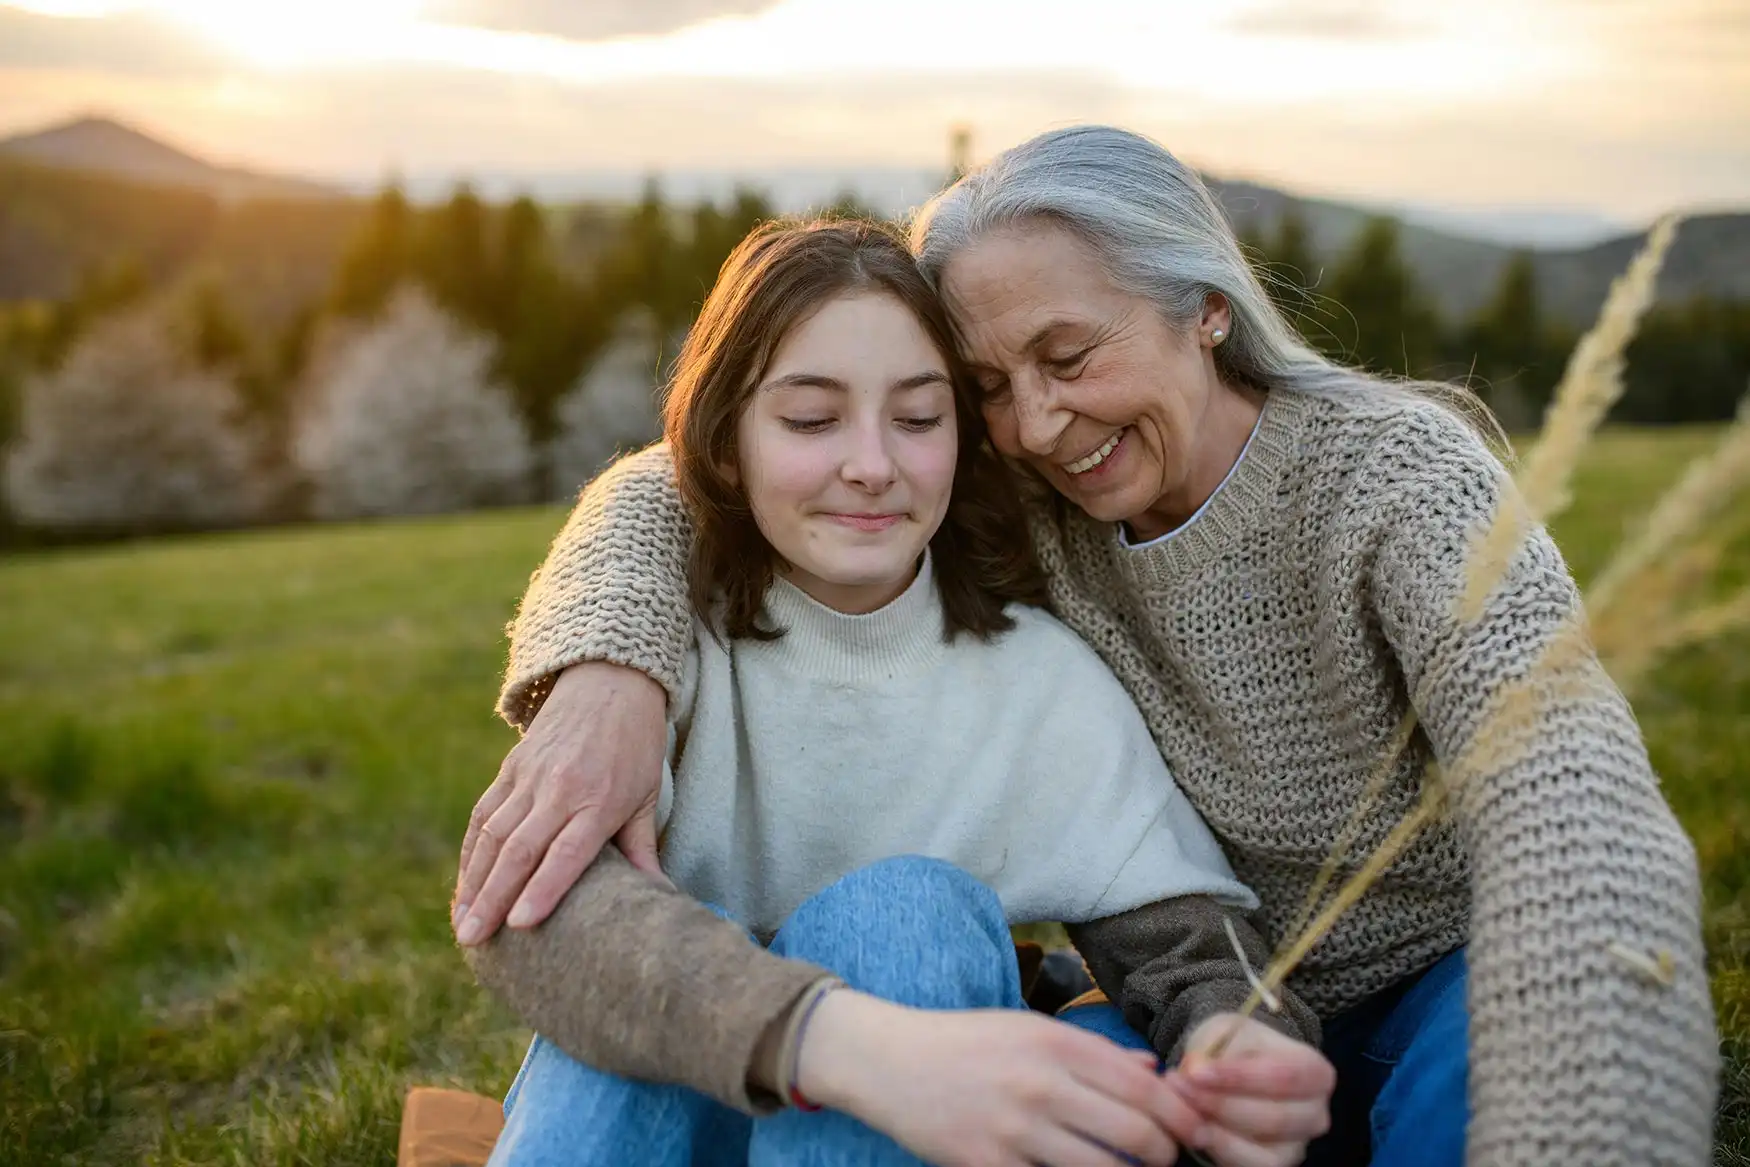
{"x": 848, "y": 449}
{"x": 1084, "y": 381}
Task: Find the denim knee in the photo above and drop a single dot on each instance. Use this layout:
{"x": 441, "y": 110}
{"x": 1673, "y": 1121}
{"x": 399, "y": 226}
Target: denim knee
{"x": 911, "y": 929}
{"x": 562, "y": 1113}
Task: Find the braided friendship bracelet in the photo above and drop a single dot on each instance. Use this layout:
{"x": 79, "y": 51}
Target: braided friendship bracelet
{"x": 794, "y": 1054}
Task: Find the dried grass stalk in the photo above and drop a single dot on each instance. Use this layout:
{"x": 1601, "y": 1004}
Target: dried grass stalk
{"x": 1705, "y": 490}
{"x": 1364, "y": 806}
{"x": 1427, "y": 809}
{"x": 1508, "y": 727}
{"x": 1590, "y": 385}
{"x": 1630, "y": 665}
{"x": 1640, "y": 627}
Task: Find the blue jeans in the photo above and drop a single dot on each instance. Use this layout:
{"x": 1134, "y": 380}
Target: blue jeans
{"x": 913, "y": 930}
{"x": 1401, "y": 1057}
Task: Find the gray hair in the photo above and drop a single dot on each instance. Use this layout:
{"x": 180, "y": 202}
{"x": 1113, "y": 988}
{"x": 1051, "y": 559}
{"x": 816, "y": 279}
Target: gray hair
{"x": 1162, "y": 236}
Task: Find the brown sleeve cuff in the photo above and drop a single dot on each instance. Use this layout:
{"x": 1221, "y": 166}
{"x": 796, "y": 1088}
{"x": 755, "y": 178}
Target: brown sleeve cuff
{"x": 636, "y": 979}
{"x": 1170, "y": 966}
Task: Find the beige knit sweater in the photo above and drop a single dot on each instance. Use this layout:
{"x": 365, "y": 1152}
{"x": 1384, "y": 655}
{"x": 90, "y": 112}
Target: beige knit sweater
{"x": 1273, "y": 646}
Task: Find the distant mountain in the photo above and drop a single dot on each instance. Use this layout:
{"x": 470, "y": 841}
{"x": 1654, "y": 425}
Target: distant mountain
{"x": 49, "y": 230}
{"x": 1541, "y": 227}
{"x": 1458, "y": 256}
{"x": 1710, "y": 257}
{"x": 103, "y": 146}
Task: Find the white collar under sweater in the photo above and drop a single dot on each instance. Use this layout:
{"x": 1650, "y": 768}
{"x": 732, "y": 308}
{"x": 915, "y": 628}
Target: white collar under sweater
{"x": 855, "y": 738}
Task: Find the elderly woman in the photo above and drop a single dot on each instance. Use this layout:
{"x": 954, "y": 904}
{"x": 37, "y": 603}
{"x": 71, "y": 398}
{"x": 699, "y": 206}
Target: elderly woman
{"x": 1266, "y": 548}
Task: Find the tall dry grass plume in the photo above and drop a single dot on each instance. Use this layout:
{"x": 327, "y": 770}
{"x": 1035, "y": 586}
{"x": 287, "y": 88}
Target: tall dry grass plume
{"x": 1591, "y": 383}
{"x": 1637, "y": 603}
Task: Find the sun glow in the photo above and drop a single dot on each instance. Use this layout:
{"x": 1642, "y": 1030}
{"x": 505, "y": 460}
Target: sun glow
{"x": 1180, "y": 48}
{"x": 280, "y": 33}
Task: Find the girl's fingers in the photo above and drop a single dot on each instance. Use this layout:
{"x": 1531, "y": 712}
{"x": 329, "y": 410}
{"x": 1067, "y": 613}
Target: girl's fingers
{"x": 1053, "y": 1145}
{"x": 1114, "y": 1125}
{"x": 1136, "y": 1083}
{"x": 1232, "y": 1150}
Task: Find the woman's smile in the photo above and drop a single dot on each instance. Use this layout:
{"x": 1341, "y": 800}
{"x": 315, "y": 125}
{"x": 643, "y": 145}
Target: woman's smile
{"x": 1087, "y": 466}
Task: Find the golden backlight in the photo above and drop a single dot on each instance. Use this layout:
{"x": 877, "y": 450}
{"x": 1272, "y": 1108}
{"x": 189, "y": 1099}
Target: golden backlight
{"x": 1204, "y": 52}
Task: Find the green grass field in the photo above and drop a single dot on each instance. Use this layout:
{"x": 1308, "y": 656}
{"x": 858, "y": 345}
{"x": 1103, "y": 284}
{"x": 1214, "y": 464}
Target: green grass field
{"x": 234, "y": 773}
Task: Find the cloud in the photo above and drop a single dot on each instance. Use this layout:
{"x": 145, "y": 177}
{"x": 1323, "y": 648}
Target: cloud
{"x": 127, "y": 43}
{"x": 1347, "y": 20}
{"x": 1632, "y": 132}
{"x": 590, "y": 20}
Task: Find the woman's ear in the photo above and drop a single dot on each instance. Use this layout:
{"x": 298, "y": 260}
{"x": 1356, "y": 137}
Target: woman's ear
{"x": 1217, "y": 322}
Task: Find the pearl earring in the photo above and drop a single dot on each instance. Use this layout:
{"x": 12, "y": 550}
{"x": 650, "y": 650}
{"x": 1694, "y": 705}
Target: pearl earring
{"x": 1216, "y": 336}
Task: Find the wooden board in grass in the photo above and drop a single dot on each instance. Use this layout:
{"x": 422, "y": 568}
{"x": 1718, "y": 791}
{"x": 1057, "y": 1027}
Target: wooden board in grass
{"x": 448, "y": 1128}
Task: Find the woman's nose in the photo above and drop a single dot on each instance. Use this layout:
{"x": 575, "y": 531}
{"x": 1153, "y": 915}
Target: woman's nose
{"x": 1039, "y": 420}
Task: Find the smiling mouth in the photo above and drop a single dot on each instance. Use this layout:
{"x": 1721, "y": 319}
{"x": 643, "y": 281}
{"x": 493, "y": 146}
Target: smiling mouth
{"x": 866, "y": 522}
{"x": 1083, "y": 465}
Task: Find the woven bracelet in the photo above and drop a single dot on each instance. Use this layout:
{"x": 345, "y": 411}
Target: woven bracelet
{"x": 797, "y": 1098}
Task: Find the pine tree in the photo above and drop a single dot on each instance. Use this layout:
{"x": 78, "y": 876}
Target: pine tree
{"x": 453, "y": 260}
{"x": 1510, "y": 347}
{"x": 547, "y": 324}
{"x": 1294, "y": 269}
{"x": 379, "y": 260}
{"x": 1394, "y": 330}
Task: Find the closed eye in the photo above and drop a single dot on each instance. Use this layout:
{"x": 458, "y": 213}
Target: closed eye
{"x": 806, "y": 425}
{"x": 921, "y": 424}
{"x": 1070, "y": 367}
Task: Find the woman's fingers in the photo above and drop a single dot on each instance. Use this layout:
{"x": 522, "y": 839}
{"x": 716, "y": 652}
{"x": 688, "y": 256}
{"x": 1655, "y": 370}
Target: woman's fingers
{"x": 637, "y": 842}
{"x": 468, "y": 879}
{"x": 1284, "y": 1074}
{"x": 573, "y": 849}
{"x": 511, "y": 845}
{"x": 1266, "y": 1120}
{"x": 489, "y": 840}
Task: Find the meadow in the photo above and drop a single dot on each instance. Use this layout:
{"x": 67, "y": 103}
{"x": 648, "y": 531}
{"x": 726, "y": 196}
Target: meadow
{"x": 234, "y": 772}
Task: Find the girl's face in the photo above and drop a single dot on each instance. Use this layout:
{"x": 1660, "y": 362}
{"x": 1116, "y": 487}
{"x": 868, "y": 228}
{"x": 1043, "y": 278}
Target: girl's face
{"x": 848, "y": 448}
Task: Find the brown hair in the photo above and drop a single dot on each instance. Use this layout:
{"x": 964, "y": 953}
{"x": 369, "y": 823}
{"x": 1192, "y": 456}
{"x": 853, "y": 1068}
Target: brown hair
{"x": 774, "y": 280}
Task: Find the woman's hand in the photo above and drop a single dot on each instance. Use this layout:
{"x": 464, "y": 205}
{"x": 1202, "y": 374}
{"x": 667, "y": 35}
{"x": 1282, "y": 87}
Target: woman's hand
{"x": 589, "y": 768}
{"x": 991, "y": 1087}
{"x": 1263, "y": 1099}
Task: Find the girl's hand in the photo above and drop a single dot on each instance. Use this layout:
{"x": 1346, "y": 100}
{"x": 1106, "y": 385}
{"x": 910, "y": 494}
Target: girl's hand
{"x": 1263, "y": 1099}
{"x": 991, "y": 1087}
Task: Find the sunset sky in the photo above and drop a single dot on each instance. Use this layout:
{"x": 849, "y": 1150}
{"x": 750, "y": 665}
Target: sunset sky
{"x": 1625, "y": 107}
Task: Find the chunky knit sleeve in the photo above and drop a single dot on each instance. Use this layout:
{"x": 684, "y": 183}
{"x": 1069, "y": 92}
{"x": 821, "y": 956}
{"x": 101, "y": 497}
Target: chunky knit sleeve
{"x": 1580, "y": 1052}
{"x": 613, "y": 587}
